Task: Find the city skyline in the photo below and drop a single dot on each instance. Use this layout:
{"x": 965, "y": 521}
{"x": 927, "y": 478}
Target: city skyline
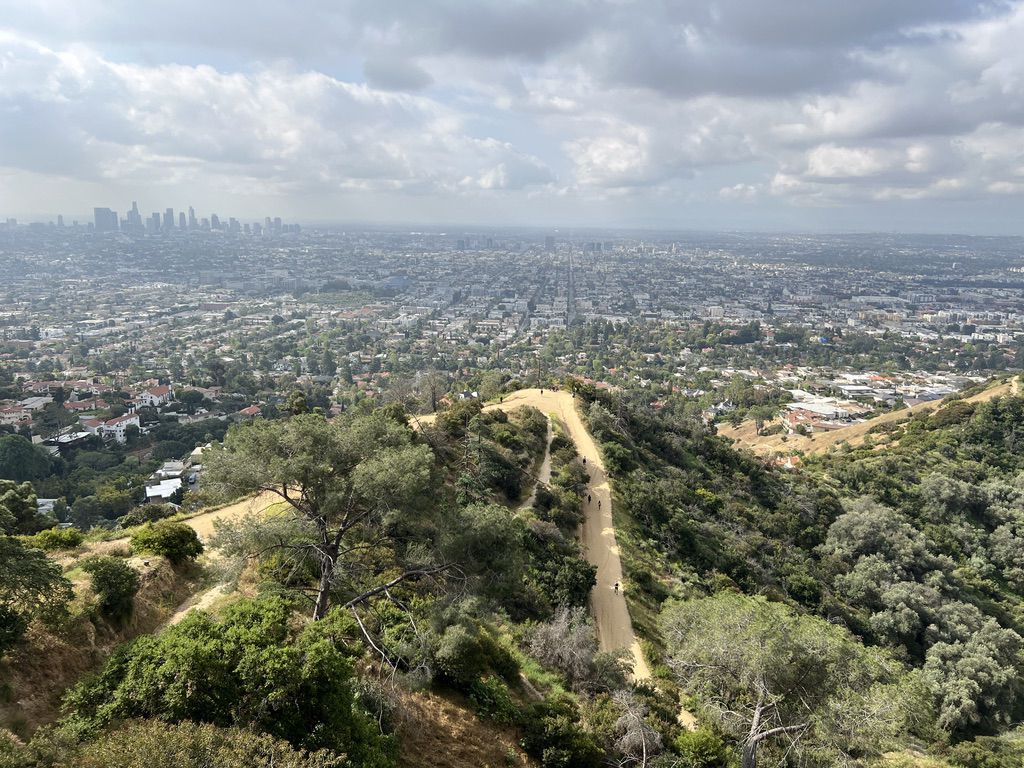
{"x": 876, "y": 116}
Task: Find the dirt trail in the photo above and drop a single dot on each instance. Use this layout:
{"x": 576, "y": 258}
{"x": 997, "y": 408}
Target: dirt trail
{"x": 614, "y": 628}
{"x": 543, "y": 473}
{"x": 203, "y": 525}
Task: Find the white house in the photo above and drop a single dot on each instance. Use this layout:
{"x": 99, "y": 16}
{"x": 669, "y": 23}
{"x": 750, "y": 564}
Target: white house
{"x": 117, "y": 427}
{"x": 154, "y": 397}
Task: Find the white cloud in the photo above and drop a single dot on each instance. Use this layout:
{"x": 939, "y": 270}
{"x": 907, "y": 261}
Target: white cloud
{"x": 547, "y": 107}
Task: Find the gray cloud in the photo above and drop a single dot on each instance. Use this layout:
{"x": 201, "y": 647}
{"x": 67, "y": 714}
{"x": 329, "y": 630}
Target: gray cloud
{"x": 569, "y": 105}
{"x": 391, "y": 73}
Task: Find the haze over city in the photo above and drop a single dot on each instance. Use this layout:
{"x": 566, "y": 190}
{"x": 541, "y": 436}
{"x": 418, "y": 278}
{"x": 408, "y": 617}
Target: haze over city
{"x": 877, "y": 115}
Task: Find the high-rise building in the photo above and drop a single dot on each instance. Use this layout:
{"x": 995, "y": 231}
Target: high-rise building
{"x": 169, "y": 218}
{"x": 105, "y": 219}
{"x": 192, "y": 223}
{"x": 60, "y": 221}
{"x": 153, "y": 225}
{"x": 214, "y": 221}
{"x": 133, "y": 223}
{"x": 182, "y": 221}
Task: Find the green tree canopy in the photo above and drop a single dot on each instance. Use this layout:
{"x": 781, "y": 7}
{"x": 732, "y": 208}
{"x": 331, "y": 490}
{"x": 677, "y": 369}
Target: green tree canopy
{"x": 250, "y": 669}
{"x": 765, "y": 674}
{"x": 30, "y": 583}
{"x": 357, "y": 485}
{"x": 21, "y": 461}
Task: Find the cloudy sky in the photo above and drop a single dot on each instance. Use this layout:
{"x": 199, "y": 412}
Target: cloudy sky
{"x": 815, "y": 115}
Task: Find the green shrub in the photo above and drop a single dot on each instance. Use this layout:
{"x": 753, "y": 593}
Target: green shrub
{"x": 147, "y": 513}
{"x": 56, "y": 538}
{"x": 491, "y": 699}
{"x": 252, "y": 668}
{"x": 114, "y": 582}
{"x": 555, "y": 736}
{"x": 459, "y": 657}
{"x": 175, "y": 541}
{"x": 183, "y": 745}
{"x": 987, "y": 752}
{"x": 701, "y": 749}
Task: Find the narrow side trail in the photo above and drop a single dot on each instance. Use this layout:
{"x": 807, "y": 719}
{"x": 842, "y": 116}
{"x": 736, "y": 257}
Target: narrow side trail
{"x": 614, "y": 627}
{"x": 543, "y": 473}
{"x": 203, "y": 525}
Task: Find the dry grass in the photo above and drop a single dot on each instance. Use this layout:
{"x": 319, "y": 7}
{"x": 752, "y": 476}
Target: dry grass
{"x": 746, "y": 437}
{"x": 440, "y": 732}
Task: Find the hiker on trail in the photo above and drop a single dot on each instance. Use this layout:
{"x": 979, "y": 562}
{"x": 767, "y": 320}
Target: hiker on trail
{"x": 588, "y": 498}
{"x": 616, "y": 587}
{"x": 598, "y": 503}
{"x": 584, "y": 461}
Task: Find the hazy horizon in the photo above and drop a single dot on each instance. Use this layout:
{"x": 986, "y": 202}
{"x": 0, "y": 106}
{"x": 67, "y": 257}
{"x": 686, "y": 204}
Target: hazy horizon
{"x": 882, "y": 116}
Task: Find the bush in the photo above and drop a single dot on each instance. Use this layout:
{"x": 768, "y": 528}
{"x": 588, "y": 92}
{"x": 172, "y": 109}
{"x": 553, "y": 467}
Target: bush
{"x": 554, "y": 734}
{"x": 491, "y": 699}
{"x": 153, "y": 743}
{"x": 175, "y": 541}
{"x": 56, "y": 538}
{"x": 459, "y": 656}
{"x": 701, "y": 749}
{"x": 987, "y": 752}
{"x": 251, "y": 669}
{"x": 114, "y": 582}
{"x": 147, "y": 513}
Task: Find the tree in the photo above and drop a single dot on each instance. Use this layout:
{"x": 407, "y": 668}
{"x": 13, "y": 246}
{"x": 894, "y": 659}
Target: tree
{"x": 19, "y": 501}
{"x": 297, "y": 404}
{"x": 977, "y": 681}
{"x": 86, "y": 512}
{"x": 53, "y": 417}
{"x": 114, "y": 582}
{"x": 354, "y": 485}
{"x": 327, "y": 364}
{"x": 30, "y": 583}
{"x": 175, "y": 541}
{"x": 569, "y": 643}
{"x": 21, "y": 461}
{"x": 765, "y": 673}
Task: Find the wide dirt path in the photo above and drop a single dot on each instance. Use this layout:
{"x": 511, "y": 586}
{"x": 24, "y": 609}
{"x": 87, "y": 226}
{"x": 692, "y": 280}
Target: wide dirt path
{"x": 203, "y": 525}
{"x": 614, "y": 628}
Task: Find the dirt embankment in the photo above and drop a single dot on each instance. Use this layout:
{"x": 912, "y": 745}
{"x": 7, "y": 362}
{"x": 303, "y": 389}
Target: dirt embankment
{"x": 36, "y": 674}
{"x": 435, "y": 732}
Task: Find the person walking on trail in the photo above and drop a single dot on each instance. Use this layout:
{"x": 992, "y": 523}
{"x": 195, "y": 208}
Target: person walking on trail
{"x": 588, "y": 498}
{"x": 616, "y": 587}
{"x": 584, "y": 461}
{"x": 598, "y": 503}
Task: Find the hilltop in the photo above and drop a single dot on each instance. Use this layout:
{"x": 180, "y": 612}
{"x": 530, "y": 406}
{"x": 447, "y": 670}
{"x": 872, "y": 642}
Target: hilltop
{"x": 745, "y": 436}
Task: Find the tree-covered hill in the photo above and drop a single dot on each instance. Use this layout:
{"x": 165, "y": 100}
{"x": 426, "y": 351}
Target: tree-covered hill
{"x": 915, "y": 549}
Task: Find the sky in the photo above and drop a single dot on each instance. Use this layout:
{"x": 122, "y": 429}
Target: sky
{"x": 790, "y": 115}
